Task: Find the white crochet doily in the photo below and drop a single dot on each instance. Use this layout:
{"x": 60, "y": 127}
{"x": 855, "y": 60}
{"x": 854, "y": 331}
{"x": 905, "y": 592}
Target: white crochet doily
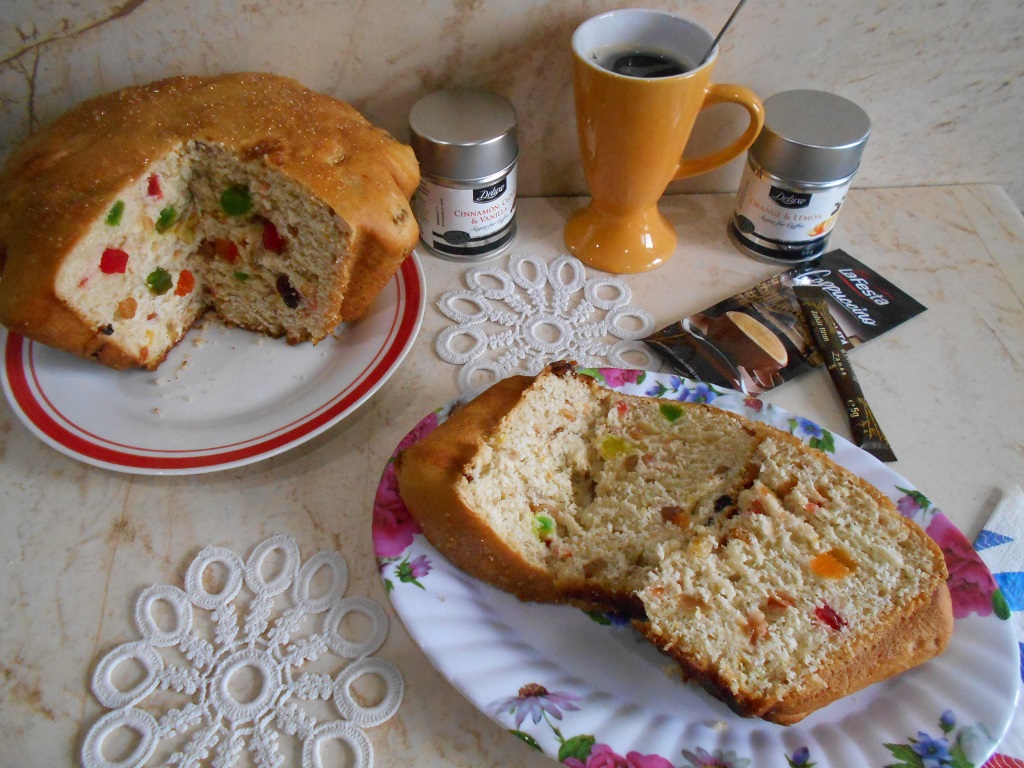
{"x": 219, "y": 674}
{"x": 520, "y": 319}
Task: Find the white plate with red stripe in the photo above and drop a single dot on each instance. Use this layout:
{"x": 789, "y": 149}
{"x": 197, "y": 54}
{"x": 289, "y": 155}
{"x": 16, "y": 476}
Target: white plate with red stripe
{"x": 223, "y": 398}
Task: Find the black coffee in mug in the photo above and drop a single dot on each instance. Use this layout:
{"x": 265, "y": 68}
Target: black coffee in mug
{"x": 649, "y": 64}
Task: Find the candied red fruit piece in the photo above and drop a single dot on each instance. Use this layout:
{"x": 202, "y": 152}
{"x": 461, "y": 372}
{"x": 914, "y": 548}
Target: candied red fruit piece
{"x": 113, "y": 261}
{"x": 621, "y": 407}
{"x": 272, "y": 239}
{"x": 827, "y": 615}
{"x": 153, "y": 187}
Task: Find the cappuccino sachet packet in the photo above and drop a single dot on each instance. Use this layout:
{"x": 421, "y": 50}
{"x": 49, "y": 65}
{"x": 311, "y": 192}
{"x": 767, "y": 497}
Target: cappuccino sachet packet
{"x": 757, "y": 339}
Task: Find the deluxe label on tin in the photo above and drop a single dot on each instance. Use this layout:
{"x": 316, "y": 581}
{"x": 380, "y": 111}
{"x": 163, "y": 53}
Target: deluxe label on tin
{"x": 797, "y": 175}
{"x": 465, "y": 142}
{"x": 774, "y": 217}
{"x": 467, "y": 221}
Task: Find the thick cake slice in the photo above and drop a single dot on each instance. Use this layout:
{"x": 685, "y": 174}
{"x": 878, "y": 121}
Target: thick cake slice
{"x": 777, "y": 579}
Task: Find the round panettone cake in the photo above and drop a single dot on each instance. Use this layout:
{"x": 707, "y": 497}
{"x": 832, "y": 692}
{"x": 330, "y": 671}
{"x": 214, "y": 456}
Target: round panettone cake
{"x": 280, "y": 209}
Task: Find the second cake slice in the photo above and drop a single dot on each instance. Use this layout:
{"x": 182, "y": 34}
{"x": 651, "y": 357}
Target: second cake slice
{"x": 777, "y": 579}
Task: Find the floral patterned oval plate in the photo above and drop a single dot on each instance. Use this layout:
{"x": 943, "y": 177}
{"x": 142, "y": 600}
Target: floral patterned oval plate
{"x": 589, "y": 691}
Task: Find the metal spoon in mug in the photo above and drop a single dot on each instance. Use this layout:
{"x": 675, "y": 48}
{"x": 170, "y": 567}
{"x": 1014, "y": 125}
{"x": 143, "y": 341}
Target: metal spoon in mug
{"x": 722, "y": 32}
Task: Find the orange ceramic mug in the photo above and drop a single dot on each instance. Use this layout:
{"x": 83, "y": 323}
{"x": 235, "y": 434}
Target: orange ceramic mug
{"x": 633, "y": 129}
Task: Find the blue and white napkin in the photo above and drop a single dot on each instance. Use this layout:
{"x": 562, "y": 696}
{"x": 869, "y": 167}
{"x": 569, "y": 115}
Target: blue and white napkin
{"x": 1001, "y": 545}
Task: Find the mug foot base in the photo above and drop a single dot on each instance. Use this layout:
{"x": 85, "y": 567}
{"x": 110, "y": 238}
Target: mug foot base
{"x": 620, "y": 244}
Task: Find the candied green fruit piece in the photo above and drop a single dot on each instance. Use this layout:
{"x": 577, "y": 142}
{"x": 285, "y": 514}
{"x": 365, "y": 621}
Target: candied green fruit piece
{"x": 671, "y": 411}
{"x": 159, "y": 281}
{"x": 166, "y": 219}
{"x": 235, "y": 200}
{"x": 115, "y": 213}
{"x": 543, "y": 526}
{"x": 240, "y": 275}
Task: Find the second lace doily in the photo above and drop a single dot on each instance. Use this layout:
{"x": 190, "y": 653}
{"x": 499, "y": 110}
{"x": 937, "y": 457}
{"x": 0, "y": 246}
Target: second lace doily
{"x": 221, "y": 680}
{"x": 520, "y": 319}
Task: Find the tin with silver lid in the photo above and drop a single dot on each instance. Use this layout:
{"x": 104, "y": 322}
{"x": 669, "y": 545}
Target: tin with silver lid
{"x": 466, "y": 143}
{"x": 798, "y": 172}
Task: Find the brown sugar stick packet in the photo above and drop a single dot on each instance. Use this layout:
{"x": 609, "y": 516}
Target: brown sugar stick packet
{"x": 825, "y": 335}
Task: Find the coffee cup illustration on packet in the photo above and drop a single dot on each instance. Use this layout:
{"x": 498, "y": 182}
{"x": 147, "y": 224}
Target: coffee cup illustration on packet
{"x": 756, "y": 340}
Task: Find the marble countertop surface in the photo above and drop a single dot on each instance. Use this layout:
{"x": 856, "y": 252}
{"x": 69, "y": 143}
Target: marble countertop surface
{"x": 79, "y": 542}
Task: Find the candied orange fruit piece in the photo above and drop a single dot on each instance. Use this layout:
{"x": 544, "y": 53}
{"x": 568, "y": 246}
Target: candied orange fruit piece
{"x": 834, "y": 564}
{"x": 186, "y": 282}
{"x": 226, "y": 249}
{"x": 126, "y": 308}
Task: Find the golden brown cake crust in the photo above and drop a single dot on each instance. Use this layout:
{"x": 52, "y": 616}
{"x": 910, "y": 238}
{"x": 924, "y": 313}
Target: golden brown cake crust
{"x": 427, "y": 475}
{"x": 66, "y": 176}
{"x": 905, "y": 639}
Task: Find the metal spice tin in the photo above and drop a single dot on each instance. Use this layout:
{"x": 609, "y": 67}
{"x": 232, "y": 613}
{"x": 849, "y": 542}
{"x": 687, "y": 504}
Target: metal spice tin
{"x": 466, "y": 144}
{"x": 797, "y": 175}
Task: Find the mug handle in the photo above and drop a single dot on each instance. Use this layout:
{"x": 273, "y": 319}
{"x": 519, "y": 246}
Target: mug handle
{"x": 720, "y": 93}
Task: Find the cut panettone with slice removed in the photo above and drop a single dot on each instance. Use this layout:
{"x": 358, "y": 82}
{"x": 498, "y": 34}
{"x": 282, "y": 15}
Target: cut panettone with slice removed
{"x": 280, "y": 209}
{"x": 777, "y": 579}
